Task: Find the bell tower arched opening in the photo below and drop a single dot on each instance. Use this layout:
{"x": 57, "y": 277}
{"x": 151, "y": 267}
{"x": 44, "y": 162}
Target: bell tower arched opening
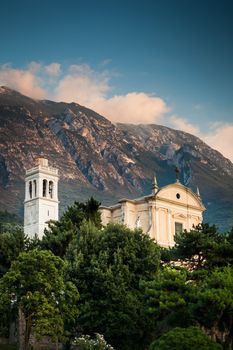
{"x": 44, "y": 194}
{"x": 30, "y": 189}
{"x": 50, "y": 189}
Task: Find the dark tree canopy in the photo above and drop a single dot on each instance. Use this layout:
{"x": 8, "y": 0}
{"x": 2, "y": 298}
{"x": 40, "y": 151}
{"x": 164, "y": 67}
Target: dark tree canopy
{"x": 202, "y": 248}
{"x": 45, "y": 300}
{"x": 108, "y": 267}
{"x": 82, "y": 278}
{"x": 191, "y": 338}
{"x": 11, "y": 244}
{"x": 62, "y": 232}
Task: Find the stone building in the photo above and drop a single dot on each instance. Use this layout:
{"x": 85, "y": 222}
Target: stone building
{"x": 166, "y": 211}
{"x": 41, "y": 198}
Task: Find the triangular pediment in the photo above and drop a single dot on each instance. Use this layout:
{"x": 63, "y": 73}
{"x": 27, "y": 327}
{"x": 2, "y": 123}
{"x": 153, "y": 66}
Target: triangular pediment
{"x": 179, "y": 216}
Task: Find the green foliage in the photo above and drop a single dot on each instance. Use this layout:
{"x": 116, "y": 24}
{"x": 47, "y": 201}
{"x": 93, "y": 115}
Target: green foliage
{"x": 167, "y": 298}
{"x": 179, "y": 298}
{"x": 8, "y": 221}
{"x": 11, "y": 244}
{"x": 7, "y": 312}
{"x": 126, "y": 293}
{"x": 42, "y": 295}
{"x": 85, "y": 342}
{"x": 62, "y": 232}
{"x": 108, "y": 267}
{"x": 80, "y": 211}
{"x": 214, "y": 300}
{"x": 203, "y": 247}
{"x": 191, "y": 338}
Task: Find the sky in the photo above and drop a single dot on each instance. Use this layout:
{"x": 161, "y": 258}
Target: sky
{"x": 167, "y": 62}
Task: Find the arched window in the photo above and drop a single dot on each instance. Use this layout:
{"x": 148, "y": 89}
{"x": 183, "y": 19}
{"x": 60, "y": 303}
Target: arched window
{"x": 51, "y": 189}
{"x": 44, "y": 188}
{"x": 35, "y": 189}
{"x": 30, "y": 189}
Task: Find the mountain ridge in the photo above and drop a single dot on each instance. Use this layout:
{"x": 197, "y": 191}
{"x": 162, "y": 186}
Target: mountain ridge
{"x": 97, "y": 157}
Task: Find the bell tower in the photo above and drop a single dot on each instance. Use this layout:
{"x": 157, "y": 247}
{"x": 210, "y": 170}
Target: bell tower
{"x": 41, "y": 198}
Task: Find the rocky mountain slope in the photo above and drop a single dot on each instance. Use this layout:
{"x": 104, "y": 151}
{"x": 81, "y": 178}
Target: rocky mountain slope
{"x": 96, "y": 157}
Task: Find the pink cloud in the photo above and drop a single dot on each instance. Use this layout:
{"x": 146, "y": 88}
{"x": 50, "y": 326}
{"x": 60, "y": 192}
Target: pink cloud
{"x": 220, "y": 138}
{"x": 53, "y": 69}
{"x": 134, "y": 107}
{"x": 89, "y": 88}
{"x": 24, "y": 81}
{"x": 82, "y": 85}
{"x": 184, "y": 125}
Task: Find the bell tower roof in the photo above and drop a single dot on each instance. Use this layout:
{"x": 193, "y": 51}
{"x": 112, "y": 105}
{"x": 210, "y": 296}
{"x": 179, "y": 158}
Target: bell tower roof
{"x": 42, "y": 161}
{"x": 42, "y": 166}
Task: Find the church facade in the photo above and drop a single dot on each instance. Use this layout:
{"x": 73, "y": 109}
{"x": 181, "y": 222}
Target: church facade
{"x": 164, "y": 212}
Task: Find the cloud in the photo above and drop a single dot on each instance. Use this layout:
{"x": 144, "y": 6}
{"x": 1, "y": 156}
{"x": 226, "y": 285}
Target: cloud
{"x": 134, "y": 107}
{"x": 106, "y": 62}
{"x": 184, "y": 125}
{"x": 90, "y": 88}
{"x": 82, "y": 85}
{"x": 53, "y": 69}
{"x": 25, "y": 81}
{"x": 34, "y": 67}
{"x": 220, "y": 138}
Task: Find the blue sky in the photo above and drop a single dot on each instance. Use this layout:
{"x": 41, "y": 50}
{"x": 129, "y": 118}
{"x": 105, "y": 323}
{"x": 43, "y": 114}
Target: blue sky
{"x": 167, "y": 61}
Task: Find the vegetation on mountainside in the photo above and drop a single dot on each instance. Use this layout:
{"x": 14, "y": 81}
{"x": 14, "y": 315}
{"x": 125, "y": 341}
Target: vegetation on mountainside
{"x": 83, "y": 279}
{"x": 9, "y": 221}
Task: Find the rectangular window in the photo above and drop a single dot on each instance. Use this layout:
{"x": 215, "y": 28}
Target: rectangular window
{"x": 178, "y": 227}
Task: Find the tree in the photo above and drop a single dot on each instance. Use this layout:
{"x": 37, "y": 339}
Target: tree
{"x": 191, "y": 338}
{"x": 202, "y": 248}
{"x": 44, "y": 299}
{"x": 212, "y": 306}
{"x": 108, "y": 266}
{"x": 59, "y": 235}
{"x": 181, "y": 298}
{"x": 11, "y": 244}
{"x": 167, "y": 300}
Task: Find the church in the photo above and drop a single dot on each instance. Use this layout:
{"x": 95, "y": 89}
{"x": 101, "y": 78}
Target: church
{"x": 166, "y": 211}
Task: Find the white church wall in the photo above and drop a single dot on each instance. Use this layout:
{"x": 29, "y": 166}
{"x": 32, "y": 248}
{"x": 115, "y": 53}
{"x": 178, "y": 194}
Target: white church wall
{"x": 106, "y": 216}
{"x": 117, "y": 216}
{"x": 131, "y": 216}
{"x": 142, "y": 214}
{"x": 163, "y": 237}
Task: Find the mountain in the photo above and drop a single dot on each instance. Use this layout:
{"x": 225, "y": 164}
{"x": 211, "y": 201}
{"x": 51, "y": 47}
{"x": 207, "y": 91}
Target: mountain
{"x": 96, "y": 157}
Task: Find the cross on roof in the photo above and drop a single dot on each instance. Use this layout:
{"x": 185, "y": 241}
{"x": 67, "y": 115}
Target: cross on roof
{"x": 177, "y": 171}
